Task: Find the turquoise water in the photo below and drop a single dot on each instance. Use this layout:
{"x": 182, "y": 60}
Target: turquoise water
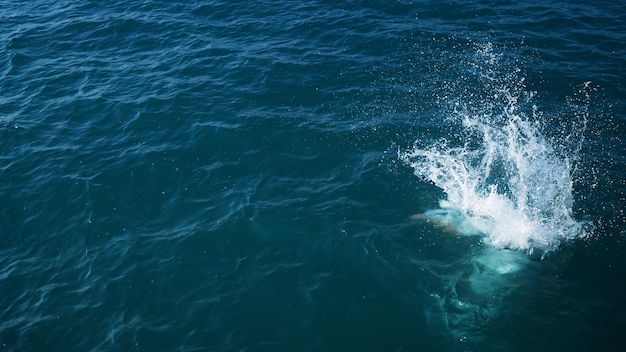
{"x": 298, "y": 176}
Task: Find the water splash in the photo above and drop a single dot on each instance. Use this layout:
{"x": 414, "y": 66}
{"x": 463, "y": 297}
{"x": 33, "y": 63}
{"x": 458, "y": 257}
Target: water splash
{"x": 503, "y": 179}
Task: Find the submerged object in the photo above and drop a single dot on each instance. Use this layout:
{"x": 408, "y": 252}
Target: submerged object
{"x": 506, "y": 183}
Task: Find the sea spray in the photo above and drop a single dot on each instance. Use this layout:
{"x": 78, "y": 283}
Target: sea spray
{"x": 503, "y": 179}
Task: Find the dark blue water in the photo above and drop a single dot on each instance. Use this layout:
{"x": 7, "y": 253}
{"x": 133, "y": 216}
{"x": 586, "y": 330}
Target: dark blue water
{"x": 318, "y": 175}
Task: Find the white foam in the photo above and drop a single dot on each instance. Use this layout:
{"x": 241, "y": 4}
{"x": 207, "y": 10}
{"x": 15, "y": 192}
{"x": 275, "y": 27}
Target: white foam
{"x": 502, "y": 178}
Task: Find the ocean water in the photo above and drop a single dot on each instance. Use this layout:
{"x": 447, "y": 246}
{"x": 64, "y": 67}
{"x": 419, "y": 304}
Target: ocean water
{"x": 312, "y": 175}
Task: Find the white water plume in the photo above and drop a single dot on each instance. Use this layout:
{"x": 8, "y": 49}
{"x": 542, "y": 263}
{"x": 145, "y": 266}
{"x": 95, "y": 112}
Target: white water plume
{"x": 502, "y": 178}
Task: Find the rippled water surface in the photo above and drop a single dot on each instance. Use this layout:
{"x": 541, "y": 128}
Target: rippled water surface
{"x": 312, "y": 176}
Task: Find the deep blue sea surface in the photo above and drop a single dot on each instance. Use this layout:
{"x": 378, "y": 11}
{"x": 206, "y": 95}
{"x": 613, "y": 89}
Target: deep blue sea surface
{"x": 312, "y": 175}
